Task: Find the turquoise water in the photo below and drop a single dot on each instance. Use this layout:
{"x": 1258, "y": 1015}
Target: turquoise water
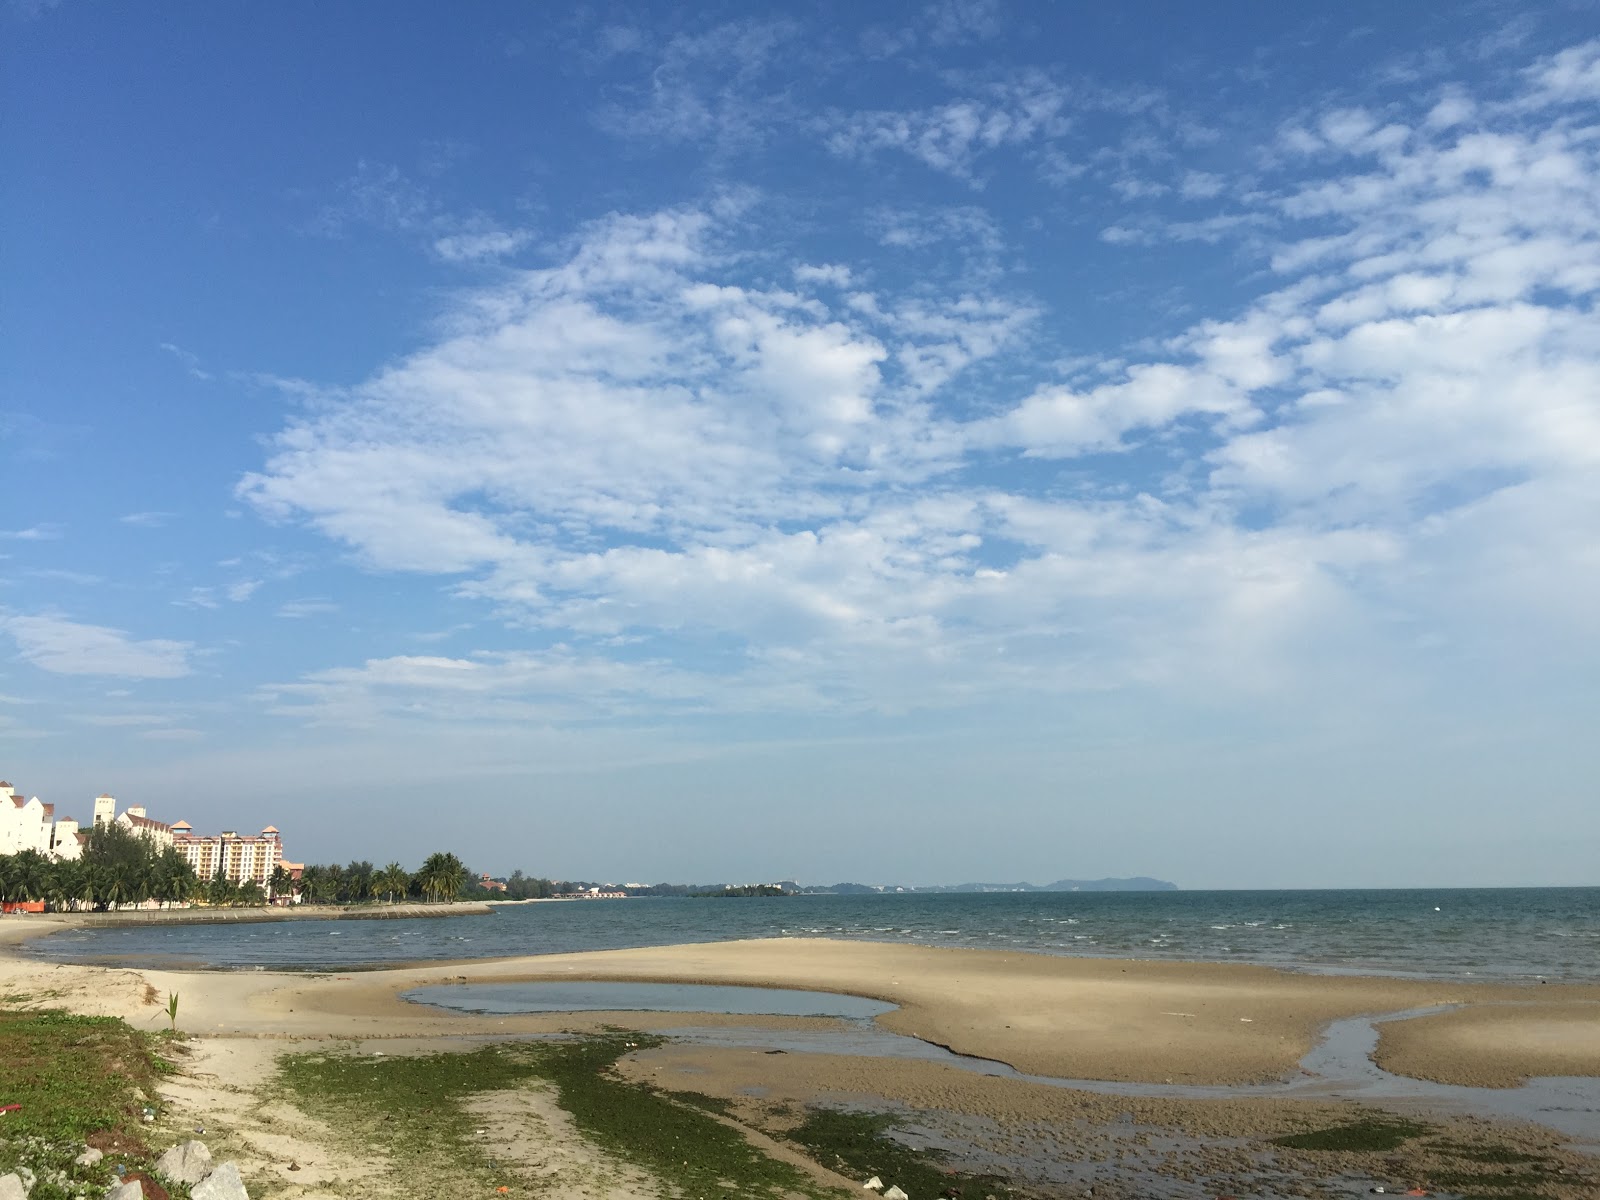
{"x": 1496, "y": 933}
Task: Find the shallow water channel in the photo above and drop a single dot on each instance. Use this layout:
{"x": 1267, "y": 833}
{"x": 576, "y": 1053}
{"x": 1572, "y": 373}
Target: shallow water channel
{"x": 1340, "y": 1066}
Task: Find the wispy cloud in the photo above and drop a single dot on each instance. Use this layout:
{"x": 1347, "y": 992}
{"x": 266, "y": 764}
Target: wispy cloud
{"x": 65, "y": 647}
{"x": 711, "y": 85}
{"x": 47, "y": 532}
{"x": 147, "y": 520}
{"x": 300, "y": 609}
{"x": 189, "y": 361}
{"x": 381, "y": 196}
{"x": 656, "y": 455}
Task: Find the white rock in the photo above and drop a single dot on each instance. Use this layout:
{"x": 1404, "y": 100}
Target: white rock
{"x": 873, "y": 1185}
{"x": 88, "y": 1158}
{"x": 188, "y": 1162}
{"x": 132, "y": 1190}
{"x": 222, "y": 1184}
{"x": 895, "y": 1193}
{"x": 11, "y": 1188}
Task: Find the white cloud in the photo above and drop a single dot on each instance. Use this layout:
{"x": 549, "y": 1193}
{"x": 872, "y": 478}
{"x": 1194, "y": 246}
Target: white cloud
{"x": 34, "y": 533}
{"x": 65, "y": 647}
{"x": 300, "y": 609}
{"x": 381, "y": 196}
{"x": 479, "y": 247}
{"x": 1571, "y": 76}
{"x": 147, "y": 520}
{"x": 708, "y": 86}
{"x": 190, "y": 362}
{"x": 951, "y": 137}
{"x": 655, "y": 454}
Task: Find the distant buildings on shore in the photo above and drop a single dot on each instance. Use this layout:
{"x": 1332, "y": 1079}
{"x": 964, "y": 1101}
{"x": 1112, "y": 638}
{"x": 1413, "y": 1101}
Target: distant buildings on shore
{"x": 29, "y": 824}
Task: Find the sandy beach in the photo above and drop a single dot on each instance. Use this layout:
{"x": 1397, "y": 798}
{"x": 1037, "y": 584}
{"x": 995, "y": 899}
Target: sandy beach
{"x": 1083, "y": 1019}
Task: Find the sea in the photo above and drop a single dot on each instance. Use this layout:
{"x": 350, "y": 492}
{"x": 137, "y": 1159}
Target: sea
{"x": 1521, "y": 934}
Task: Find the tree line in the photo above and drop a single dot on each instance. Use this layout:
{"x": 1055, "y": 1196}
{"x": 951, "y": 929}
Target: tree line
{"x": 117, "y": 867}
{"x": 441, "y": 877}
{"x": 120, "y": 867}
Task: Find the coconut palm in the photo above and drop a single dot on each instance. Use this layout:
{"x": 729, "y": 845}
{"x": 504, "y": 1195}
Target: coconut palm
{"x": 393, "y": 879}
{"x": 443, "y": 876}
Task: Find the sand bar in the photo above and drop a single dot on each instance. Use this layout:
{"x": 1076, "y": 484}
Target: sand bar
{"x": 1073, "y": 1018}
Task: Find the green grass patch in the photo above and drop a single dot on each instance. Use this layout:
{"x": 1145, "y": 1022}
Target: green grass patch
{"x": 412, "y": 1107}
{"x": 857, "y": 1144}
{"x": 1368, "y": 1134}
{"x": 1493, "y": 1155}
{"x": 79, "y": 1080}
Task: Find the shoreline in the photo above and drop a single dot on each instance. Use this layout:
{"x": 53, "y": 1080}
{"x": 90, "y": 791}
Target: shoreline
{"x": 1111, "y": 1020}
{"x": 137, "y": 917}
{"x": 1184, "y": 1035}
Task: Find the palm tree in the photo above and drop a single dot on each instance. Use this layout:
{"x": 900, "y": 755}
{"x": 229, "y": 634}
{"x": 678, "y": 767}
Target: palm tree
{"x": 393, "y": 878}
{"x": 280, "y": 882}
{"x": 314, "y": 882}
{"x": 444, "y": 876}
{"x": 358, "y": 881}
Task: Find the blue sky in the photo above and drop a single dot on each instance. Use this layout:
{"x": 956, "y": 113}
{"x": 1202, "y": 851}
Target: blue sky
{"x": 919, "y": 442}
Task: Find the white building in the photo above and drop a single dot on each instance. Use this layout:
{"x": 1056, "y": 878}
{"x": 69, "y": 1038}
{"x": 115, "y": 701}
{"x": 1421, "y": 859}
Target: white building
{"x": 238, "y": 859}
{"x": 30, "y": 825}
{"x": 66, "y": 840}
{"x": 24, "y": 824}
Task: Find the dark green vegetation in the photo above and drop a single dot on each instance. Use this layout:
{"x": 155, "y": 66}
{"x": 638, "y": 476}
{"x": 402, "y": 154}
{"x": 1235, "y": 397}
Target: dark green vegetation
{"x": 412, "y": 1107}
{"x": 117, "y": 867}
{"x": 1489, "y": 1172}
{"x": 441, "y": 877}
{"x": 1473, "y": 1172}
{"x": 1369, "y": 1134}
{"x": 79, "y": 1080}
{"x": 858, "y": 1144}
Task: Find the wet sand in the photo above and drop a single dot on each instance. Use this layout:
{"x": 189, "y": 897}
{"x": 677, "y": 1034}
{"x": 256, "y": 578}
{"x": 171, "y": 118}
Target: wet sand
{"x": 1064, "y": 1017}
{"x": 1083, "y": 1019}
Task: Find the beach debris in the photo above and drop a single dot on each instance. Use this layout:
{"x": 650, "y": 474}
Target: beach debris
{"x": 89, "y": 1157}
{"x": 873, "y": 1185}
{"x": 188, "y": 1162}
{"x": 222, "y": 1184}
{"x": 11, "y": 1187}
{"x": 132, "y": 1190}
{"x": 895, "y": 1193}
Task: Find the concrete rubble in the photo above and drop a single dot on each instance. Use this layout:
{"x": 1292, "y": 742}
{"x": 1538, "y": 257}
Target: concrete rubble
{"x": 188, "y": 1162}
{"x": 222, "y": 1184}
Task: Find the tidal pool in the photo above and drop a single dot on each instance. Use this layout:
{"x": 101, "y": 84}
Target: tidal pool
{"x": 501, "y": 998}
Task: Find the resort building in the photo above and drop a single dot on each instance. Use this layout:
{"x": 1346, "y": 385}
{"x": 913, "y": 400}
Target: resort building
{"x": 24, "y": 824}
{"x": 66, "y": 841}
{"x": 135, "y": 821}
{"x": 29, "y": 824}
{"x": 237, "y": 859}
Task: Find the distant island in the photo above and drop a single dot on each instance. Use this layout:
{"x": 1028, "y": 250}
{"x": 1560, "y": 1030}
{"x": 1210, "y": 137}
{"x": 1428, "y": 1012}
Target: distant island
{"x": 1137, "y": 883}
{"x": 518, "y": 886}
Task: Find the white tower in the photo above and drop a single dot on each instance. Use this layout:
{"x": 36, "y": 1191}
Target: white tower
{"x": 105, "y": 809}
